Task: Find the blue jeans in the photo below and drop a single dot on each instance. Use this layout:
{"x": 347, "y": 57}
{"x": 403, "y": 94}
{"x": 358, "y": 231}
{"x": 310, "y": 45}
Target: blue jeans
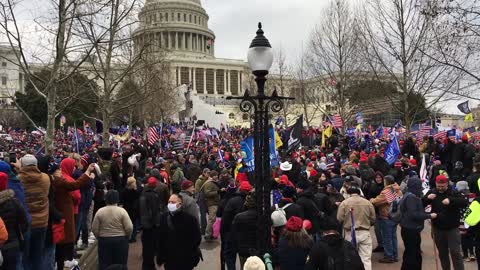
{"x": 82, "y": 226}
{"x": 389, "y": 234}
{"x": 33, "y": 255}
{"x": 49, "y": 257}
{"x": 378, "y": 231}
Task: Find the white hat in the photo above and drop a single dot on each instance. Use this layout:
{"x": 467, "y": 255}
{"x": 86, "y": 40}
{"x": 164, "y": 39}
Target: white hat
{"x": 278, "y": 218}
{"x": 28, "y": 160}
{"x": 285, "y": 166}
{"x": 254, "y": 263}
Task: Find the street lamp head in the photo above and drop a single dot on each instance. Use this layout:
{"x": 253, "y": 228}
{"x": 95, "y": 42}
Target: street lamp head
{"x": 260, "y": 54}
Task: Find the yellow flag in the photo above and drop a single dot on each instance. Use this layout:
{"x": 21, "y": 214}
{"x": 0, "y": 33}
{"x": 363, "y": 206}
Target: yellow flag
{"x": 359, "y": 127}
{"x": 323, "y": 139}
{"x": 278, "y": 141}
{"x": 328, "y": 131}
{"x": 469, "y": 117}
{"x": 468, "y": 135}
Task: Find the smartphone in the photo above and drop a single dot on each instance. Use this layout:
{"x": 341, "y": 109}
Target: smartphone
{"x": 13, "y": 157}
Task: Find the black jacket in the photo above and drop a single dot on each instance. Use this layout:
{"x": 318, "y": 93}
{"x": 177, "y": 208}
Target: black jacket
{"x": 288, "y": 257}
{"x": 448, "y": 215}
{"x": 13, "y": 216}
{"x": 233, "y": 206}
{"x": 324, "y": 204}
{"x": 310, "y": 210}
{"x": 413, "y": 213}
{"x": 293, "y": 210}
{"x": 244, "y": 232}
{"x": 150, "y": 210}
{"x": 472, "y": 180}
{"x": 333, "y": 246}
{"x": 178, "y": 241}
{"x": 131, "y": 203}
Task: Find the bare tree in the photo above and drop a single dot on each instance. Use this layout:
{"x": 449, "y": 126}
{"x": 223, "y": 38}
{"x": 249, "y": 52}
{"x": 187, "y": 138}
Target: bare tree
{"x": 282, "y": 81}
{"x": 395, "y": 36}
{"x": 334, "y": 58}
{"x": 68, "y": 52}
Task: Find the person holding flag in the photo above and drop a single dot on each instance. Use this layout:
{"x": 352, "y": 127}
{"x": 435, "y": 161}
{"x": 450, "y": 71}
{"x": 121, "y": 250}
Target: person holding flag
{"x": 358, "y": 215}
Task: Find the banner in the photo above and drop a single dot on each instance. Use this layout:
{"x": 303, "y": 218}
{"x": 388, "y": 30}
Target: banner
{"x": 295, "y": 135}
{"x": 246, "y": 147}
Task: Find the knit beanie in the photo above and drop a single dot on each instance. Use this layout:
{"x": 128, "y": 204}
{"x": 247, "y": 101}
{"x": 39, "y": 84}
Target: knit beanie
{"x": 278, "y": 218}
{"x": 186, "y": 184}
{"x": 254, "y": 263}
{"x": 28, "y": 160}
{"x": 462, "y": 186}
{"x": 3, "y": 181}
{"x": 152, "y": 182}
{"x": 4, "y": 167}
{"x": 294, "y": 224}
{"x": 112, "y": 197}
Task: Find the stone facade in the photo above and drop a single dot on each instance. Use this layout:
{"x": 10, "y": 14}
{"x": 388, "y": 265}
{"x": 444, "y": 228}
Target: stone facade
{"x": 12, "y": 78}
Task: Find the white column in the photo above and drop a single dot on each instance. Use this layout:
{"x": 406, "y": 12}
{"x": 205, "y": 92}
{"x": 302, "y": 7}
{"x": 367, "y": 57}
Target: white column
{"x": 189, "y": 74}
{"x": 204, "y": 80}
{"x": 238, "y": 83}
{"x": 191, "y": 41}
{"x": 176, "y": 40}
{"x": 215, "y": 81}
{"x": 229, "y": 83}
{"x": 194, "y": 79}
{"x": 169, "y": 43}
{"x": 185, "y": 40}
{"x": 224, "y": 81}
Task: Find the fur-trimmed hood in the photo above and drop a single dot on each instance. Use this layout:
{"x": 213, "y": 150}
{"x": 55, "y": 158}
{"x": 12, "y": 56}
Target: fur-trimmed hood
{"x": 6, "y": 195}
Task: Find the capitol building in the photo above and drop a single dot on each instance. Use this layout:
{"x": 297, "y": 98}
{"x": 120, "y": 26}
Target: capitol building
{"x": 180, "y": 27}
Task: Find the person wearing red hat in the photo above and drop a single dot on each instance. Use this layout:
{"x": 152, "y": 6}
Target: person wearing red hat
{"x": 446, "y": 203}
{"x": 294, "y": 245}
{"x": 150, "y": 211}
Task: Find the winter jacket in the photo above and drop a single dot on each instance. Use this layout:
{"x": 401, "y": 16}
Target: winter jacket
{"x": 293, "y": 209}
{"x": 469, "y": 156}
{"x": 363, "y": 212}
{"x": 310, "y": 210}
{"x": 67, "y": 166}
{"x": 473, "y": 181}
{"x": 331, "y": 246}
{"x": 150, "y": 210}
{"x": 177, "y": 179}
{"x": 199, "y": 183}
{"x": 288, "y": 258}
{"x": 244, "y": 232}
{"x": 189, "y": 205}
{"x": 131, "y": 203}
{"x": 193, "y": 172}
{"x": 112, "y": 221}
{"x": 413, "y": 213}
{"x": 448, "y": 215}
{"x": 178, "y": 241}
{"x": 14, "y": 217}
{"x": 64, "y": 202}
{"x": 324, "y": 203}
{"x": 233, "y": 206}
{"x": 36, "y": 185}
{"x": 375, "y": 190}
{"x": 381, "y": 202}
{"x": 337, "y": 182}
{"x": 211, "y": 190}
{"x": 3, "y": 233}
{"x": 15, "y": 185}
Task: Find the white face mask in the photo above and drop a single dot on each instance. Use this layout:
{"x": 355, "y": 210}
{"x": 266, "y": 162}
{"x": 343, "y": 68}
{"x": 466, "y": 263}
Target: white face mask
{"x": 172, "y": 207}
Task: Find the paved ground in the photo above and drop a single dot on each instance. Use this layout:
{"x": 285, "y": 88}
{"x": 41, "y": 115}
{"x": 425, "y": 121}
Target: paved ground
{"x": 211, "y": 253}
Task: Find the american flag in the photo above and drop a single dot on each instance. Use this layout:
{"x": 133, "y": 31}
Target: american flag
{"x": 152, "y": 135}
{"x": 424, "y": 131}
{"x": 476, "y": 135}
{"x": 337, "y": 121}
{"x": 390, "y": 195}
{"x": 440, "y": 135}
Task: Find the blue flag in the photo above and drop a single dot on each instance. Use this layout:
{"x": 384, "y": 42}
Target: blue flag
{"x": 451, "y": 133}
{"x": 379, "y": 132}
{"x": 246, "y": 146}
{"x": 392, "y": 151}
{"x": 350, "y": 132}
{"x": 273, "y": 151}
{"x": 352, "y": 230}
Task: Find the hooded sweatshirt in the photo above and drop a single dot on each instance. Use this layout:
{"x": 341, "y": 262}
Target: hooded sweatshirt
{"x": 413, "y": 212}
{"x": 67, "y": 167}
{"x": 15, "y": 185}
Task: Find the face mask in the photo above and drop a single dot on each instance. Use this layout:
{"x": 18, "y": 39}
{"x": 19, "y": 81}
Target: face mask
{"x": 172, "y": 207}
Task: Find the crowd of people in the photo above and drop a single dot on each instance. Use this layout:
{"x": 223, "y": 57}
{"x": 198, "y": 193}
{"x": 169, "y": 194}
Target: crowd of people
{"x": 325, "y": 202}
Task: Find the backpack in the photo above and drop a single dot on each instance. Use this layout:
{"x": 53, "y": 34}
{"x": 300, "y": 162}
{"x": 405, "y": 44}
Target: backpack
{"x": 347, "y": 259}
{"x": 394, "y": 211}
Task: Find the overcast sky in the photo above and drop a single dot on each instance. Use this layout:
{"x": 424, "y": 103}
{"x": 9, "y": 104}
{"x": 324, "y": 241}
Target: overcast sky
{"x": 286, "y": 23}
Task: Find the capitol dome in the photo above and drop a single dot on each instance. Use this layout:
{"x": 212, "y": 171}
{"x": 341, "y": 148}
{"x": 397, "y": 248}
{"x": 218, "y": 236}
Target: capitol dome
{"x": 180, "y": 26}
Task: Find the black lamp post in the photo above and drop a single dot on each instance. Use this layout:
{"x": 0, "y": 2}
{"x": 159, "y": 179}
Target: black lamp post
{"x": 260, "y": 59}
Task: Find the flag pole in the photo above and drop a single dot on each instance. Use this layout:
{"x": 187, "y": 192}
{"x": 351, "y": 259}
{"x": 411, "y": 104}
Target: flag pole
{"x": 76, "y": 136}
{"x": 191, "y": 137}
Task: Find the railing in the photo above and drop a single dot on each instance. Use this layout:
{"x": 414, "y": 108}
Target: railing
{"x": 89, "y": 259}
